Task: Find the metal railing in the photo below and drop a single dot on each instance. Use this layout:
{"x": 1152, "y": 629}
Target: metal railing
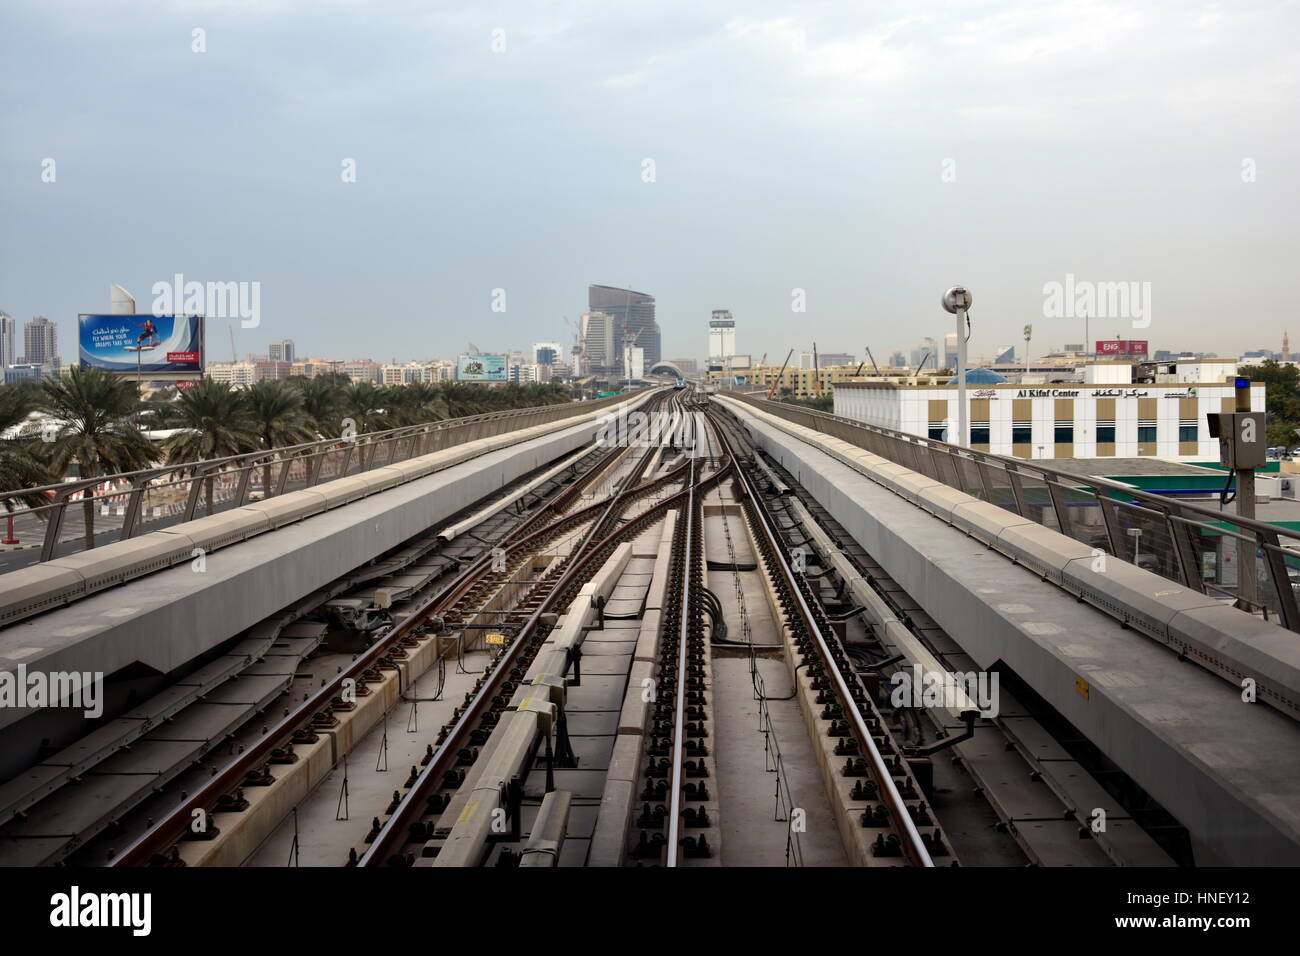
{"x": 153, "y": 498}
{"x": 1198, "y": 547}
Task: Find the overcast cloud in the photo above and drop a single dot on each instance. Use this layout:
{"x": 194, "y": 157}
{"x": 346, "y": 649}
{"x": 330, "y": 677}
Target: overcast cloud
{"x": 795, "y": 146}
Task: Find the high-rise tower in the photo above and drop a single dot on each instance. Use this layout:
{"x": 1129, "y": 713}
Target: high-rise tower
{"x": 633, "y": 314}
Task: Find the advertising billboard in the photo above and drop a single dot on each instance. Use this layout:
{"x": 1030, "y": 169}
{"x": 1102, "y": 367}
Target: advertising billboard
{"x": 481, "y": 368}
{"x": 141, "y": 343}
{"x": 1119, "y": 347}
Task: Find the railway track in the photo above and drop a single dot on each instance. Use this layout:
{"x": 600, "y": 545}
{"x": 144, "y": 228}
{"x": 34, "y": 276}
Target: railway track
{"x": 672, "y": 667}
{"x": 125, "y": 809}
{"x": 486, "y": 568}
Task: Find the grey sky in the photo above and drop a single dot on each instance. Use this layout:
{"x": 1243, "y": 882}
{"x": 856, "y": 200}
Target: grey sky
{"x": 795, "y": 146}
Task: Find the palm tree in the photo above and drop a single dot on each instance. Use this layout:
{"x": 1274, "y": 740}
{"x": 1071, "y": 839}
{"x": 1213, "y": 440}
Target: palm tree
{"x": 364, "y": 403}
{"x": 216, "y": 423}
{"x": 19, "y": 468}
{"x": 322, "y": 403}
{"x": 93, "y": 409}
{"x": 462, "y": 399}
{"x": 276, "y": 410}
{"x": 417, "y": 403}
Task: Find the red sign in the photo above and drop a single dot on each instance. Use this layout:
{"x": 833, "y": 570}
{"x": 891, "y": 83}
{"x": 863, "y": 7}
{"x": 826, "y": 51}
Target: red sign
{"x": 187, "y": 383}
{"x": 182, "y": 356}
{"x": 1122, "y": 347}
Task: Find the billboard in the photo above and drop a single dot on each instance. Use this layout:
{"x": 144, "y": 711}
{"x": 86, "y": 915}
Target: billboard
{"x": 481, "y": 368}
{"x": 141, "y": 343}
{"x": 1119, "y": 347}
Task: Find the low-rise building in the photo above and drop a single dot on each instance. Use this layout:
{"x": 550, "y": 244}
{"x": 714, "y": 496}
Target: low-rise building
{"x": 1113, "y": 412}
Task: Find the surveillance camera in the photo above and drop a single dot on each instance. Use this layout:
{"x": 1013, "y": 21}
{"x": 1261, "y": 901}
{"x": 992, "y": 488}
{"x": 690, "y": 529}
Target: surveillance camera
{"x": 957, "y": 299}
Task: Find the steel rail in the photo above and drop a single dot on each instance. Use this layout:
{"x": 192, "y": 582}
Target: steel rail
{"x": 174, "y": 825}
{"x": 395, "y": 832}
{"x": 909, "y": 836}
{"x": 679, "y": 715}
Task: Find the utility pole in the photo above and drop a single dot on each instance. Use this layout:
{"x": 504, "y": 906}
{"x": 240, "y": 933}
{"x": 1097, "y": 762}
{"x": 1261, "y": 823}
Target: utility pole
{"x": 958, "y": 301}
{"x": 1244, "y": 463}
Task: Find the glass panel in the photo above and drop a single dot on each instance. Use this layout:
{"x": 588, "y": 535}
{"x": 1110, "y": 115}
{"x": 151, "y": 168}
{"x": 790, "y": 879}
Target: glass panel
{"x": 1000, "y": 485}
{"x": 1038, "y": 501}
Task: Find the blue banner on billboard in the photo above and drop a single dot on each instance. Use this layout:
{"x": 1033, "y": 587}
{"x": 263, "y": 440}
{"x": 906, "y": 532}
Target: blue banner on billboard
{"x": 142, "y": 343}
{"x": 481, "y": 368}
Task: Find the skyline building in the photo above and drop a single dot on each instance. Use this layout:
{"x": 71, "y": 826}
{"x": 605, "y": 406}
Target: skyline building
{"x": 599, "y": 353}
{"x": 547, "y": 353}
{"x": 722, "y": 336}
{"x": 41, "y": 342}
{"x": 633, "y": 314}
{"x": 282, "y": 351}
{"x": 8, "y": 340}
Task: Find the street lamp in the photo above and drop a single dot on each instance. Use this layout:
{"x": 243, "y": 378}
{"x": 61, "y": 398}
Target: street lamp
{"x": 1136, "y": 534}
{"x": 957, "y": 301}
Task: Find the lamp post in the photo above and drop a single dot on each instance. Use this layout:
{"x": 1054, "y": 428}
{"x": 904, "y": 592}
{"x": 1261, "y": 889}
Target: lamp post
{"x": 1136, "y": 534}
{"x": 957, "y": 301}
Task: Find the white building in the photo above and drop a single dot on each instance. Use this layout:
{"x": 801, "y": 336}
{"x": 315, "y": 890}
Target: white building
{"x": 1108, "y": 415}
{"x": 528, "y": 374}
{"x": 722, "y": 336}
{"x": 599, "y": 350}
{"x": 233, "y": 373}
{"x": 407, "y": 373}
{"x": 547, "y": 353}
{"x": 8, "y": 340}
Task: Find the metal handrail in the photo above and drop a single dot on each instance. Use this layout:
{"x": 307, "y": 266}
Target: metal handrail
{"x": 368, "y": 450}
{"x": 1065, "y": 489}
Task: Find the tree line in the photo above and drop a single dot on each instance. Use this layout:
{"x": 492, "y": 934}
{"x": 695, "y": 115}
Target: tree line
{"x": 95, "y": 422}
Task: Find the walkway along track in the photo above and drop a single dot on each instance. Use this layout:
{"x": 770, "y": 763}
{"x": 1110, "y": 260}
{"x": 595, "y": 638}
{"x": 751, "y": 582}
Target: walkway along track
{"x": 858, "y": 724}
{"x": 450, "y": 604}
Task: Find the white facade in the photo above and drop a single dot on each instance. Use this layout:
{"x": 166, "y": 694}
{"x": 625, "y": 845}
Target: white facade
{"x": 598, "y": 347}
{"x": 233, "y": 373}
{"x": 542, "y": 351}
{"x": 722, "y": 335}
{"x": 1165, "y": 420}
{"x": 407, "y": 373}
{"x": 8, "y": 341}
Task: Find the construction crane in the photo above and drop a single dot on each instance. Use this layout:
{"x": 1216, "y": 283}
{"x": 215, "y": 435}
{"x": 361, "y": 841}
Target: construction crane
{"x": 779, "y": 375}
{"x": 917, "y": 374}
